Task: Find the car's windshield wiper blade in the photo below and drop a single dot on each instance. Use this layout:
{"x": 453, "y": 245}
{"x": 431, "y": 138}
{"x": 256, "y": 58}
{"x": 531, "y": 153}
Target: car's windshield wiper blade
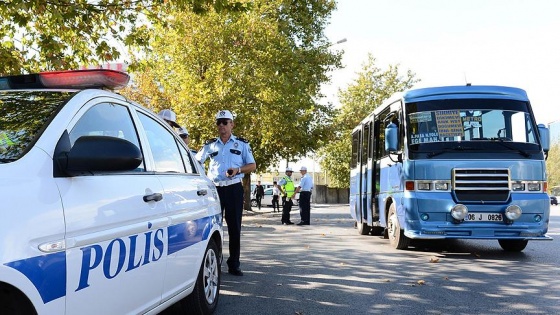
{"x": 450, "y": 149}
{"x": 505, "y": 145}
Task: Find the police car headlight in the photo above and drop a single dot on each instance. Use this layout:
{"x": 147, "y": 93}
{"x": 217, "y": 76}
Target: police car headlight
{"x": 459, "y": 212}
{"x": 513, "y": 212}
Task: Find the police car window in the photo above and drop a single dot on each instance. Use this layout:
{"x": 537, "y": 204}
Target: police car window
{"x": 189, "y": 162}
{"x": 163, "y": 145}
{"x": 106, "y": 119}
{"x": 23, "y": 116}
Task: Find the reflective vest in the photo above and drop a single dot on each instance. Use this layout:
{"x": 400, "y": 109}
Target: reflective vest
{"x": 289, "y": 187}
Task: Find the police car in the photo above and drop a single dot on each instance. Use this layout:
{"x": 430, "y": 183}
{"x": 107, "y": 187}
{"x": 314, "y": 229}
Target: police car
{"x": 105, "y": 210}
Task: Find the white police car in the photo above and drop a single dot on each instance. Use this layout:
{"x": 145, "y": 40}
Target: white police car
{"x": 104, "y": 209}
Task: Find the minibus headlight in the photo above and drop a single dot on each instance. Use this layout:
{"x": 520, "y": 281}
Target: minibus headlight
{"x": 518, "y": 187}
{"x": 513, "y": 212}
{"x": 424, "y": 186}
{"x": 441, "y": 186}
{"x": 534, "y": 186}
{"x": 459, "y": 212}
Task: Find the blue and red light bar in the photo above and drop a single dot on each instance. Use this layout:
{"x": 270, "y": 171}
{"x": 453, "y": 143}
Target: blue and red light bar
{"x": 72, "y": 79}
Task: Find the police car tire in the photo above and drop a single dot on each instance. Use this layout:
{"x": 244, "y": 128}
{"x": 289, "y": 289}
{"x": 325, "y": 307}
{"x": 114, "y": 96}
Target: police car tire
{"x": 208, "y": 281}
{"x": 13, "y": 302}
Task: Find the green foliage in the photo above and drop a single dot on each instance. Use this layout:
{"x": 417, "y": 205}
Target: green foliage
{"x": 39, "y": 35}
{"x": 371, "y": 87}
{"x": 553, "y": 168}
{"x": 266, "y": 64}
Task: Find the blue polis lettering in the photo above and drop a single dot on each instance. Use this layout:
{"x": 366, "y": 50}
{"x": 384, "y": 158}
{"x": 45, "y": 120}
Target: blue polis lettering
{"x": 154, "y": 245}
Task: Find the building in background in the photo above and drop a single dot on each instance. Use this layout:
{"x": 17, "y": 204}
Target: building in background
{"x": 554, "y": 128}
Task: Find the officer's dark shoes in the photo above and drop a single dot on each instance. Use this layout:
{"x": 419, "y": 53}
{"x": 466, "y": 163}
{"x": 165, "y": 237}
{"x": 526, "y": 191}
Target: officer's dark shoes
{"x": 235, "y": 272}
{"x": 303, "y": 223}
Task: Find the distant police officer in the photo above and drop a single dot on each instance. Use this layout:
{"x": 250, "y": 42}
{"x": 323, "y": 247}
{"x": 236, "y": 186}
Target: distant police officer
{"x": 169, "y": 116}
{"x": 304, "y": 190}
{"x": 288, "y": 189}
{"x": 230, "y": 157}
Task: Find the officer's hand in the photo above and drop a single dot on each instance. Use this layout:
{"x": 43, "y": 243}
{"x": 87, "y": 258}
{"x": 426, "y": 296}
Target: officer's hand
{"x": 230, "y": 172}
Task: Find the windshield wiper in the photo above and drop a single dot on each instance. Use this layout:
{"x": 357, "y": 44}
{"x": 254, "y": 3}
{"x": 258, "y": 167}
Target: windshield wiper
{"x": 450, "y": 149}
{"x": 505, "y": 145}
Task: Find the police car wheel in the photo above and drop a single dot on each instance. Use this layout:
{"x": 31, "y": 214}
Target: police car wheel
{"x": 13, "y": 302}
{"x": 204, "y": 298}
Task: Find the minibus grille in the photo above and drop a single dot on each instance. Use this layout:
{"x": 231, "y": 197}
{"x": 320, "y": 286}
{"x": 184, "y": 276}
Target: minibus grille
{"x": 481, "y": 185}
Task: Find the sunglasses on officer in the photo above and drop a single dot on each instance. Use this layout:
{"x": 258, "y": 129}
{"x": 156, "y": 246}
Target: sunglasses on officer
{"x": 222, "y": 121}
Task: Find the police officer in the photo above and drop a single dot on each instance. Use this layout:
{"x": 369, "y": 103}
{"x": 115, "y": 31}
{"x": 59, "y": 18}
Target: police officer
{"x": 169, "y": 116}
{"x": 304, "y": 190}
{"x": 288, "y": 189}
{"x": 230, "y": 157}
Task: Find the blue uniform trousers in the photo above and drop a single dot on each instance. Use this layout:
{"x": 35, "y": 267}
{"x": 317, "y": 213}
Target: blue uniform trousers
{"x": 231, "y": 200}
{"x": 305, "y": 206}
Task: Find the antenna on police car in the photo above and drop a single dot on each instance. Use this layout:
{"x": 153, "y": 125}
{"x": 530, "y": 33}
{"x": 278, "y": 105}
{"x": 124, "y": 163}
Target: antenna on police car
{"x": 467, "y": 83}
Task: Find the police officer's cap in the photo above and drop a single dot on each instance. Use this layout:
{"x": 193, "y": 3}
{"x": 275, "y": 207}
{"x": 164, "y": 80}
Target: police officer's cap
{"x": 224, "y": 114}
{"x": 169, "y": 116}
{"x": 289, "y": 169}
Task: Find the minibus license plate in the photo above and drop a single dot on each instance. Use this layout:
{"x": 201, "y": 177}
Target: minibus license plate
{"x": 484, "y": 217}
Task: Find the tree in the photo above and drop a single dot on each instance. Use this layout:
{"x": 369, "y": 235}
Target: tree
{"x": 371, "y": 87}
{"x": 39, "y": 35}
{"x": 553, "y": 167}
{"x": 265, "y": 64}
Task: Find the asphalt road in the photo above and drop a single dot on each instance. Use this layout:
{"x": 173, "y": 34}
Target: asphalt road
{"x": 327, "y": 268}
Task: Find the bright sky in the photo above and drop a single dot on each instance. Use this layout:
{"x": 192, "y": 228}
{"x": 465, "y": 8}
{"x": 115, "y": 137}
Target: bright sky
{"x": 491, "y": 42}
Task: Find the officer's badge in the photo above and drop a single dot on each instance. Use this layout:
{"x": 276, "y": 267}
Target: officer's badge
{"x": 222, "y": 113}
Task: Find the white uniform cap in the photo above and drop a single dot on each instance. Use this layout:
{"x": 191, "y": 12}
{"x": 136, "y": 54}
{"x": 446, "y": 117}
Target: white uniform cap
{"x": 169, "y": 116}
{"x": 224, "y": 114}
{"x": 303, "y": 168}
{"x": 289, "y": 169}
{"x": 183, "y": 131}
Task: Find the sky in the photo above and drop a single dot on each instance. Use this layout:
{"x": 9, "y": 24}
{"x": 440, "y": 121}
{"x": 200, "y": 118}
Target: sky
{"x": 452, "y": 42}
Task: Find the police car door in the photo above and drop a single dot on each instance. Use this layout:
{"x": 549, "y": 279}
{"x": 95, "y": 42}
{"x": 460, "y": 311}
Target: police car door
{"x": 186, "y": 200}
{"x": 115, "y": 225}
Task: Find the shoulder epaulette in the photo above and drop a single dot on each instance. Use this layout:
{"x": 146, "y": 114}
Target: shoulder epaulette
{"x": 210, "y": 140}
{"x": 242, "y": 139}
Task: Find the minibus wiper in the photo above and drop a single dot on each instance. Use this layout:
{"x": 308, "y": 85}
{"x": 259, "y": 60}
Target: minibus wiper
{"x": 450, "y": 149}
{"x": 505, "y": 145}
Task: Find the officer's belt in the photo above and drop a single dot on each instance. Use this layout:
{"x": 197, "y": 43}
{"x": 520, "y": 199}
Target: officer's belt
{"x": 228, "y": 182}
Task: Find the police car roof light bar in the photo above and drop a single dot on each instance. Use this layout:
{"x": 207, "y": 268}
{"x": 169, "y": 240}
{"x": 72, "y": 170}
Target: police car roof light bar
{"x": 72, "y": 79}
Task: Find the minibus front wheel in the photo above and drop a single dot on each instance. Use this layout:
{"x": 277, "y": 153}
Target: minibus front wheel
{"x": 513, "y": 245}
{"x": 397, "y": 239}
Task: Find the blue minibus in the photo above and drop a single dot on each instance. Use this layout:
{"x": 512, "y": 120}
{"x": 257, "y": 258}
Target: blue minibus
{"x": 455, "y": 162}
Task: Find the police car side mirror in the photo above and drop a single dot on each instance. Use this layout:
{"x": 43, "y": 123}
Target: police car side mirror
{"x": 92, "y": 154}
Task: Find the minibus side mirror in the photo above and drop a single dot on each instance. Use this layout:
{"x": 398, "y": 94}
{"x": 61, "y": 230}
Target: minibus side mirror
{"x": 391, "y": 138}
{"x": 545, "y": 137}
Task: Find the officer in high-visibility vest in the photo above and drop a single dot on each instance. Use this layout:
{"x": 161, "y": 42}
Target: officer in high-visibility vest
{"x": 288, "y": 189}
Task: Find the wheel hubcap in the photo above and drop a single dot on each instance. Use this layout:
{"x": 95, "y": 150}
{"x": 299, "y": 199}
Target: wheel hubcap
{"x": 210, "y": 276}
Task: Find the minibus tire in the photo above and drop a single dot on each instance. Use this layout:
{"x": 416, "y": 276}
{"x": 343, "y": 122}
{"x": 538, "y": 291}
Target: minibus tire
{"x": 397, "y": 239}
{"x": 203, "y": 300}
{"x": 513, "y": 245}
{"x": 363, "y": 228}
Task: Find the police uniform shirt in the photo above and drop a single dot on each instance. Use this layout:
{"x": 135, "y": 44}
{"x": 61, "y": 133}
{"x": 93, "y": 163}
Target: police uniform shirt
{"x": 235, "y": 153}
{"x": 306, "y": 183}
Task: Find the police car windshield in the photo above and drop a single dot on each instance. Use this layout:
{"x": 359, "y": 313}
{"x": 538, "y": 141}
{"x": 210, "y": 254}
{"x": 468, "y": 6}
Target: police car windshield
{"x": 23, "y": 117}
